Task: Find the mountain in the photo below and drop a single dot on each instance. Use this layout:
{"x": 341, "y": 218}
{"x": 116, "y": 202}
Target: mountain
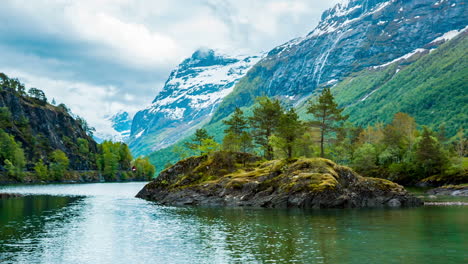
{"x": 122, "y": 124}
{"x": 191, "y": 94}
{"x": 429, "y": 83}
{"x": 380, "y": 57}
{"x": 41, "y": 128}
{"x": 352, "y": 36}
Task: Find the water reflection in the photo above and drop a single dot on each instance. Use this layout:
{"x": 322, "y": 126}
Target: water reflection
{"x": 103, "y": 223}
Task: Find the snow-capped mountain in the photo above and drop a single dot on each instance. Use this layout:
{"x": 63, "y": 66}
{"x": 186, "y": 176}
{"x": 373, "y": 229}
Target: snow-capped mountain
{"x": 190, "y": 96}
{"x": 352, "y": 36}
{"x": 120, "y": 124}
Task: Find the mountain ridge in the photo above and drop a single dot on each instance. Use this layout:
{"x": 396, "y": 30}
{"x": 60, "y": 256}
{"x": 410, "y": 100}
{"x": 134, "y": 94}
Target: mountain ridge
{"x": 189, "y": 97}
{"x": 352, "y": 36}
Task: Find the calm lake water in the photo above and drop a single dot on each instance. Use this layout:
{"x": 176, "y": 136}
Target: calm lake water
{"x": 104, "y": 223}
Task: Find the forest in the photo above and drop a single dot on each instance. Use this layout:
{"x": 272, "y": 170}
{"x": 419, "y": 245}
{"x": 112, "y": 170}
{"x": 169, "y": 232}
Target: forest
{"x": 46, "y": 142}
{"x": 401, "y": 151}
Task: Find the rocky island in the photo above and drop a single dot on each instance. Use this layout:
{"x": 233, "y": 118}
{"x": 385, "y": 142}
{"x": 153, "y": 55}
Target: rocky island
{"x": 238, "y": 179}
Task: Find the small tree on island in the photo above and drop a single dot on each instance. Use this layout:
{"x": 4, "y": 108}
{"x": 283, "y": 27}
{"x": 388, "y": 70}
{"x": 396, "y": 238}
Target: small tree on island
{"x": 290, "y": 130}
{"x": 202, "y": 142}
{"x": 264, "y": 122}
{"x": 328, "y": 116}
{"x": 236, "y": 136}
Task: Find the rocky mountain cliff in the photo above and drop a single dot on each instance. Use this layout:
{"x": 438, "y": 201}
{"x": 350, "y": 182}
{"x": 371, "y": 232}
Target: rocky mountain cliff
{"x": 41, "y": 128}
{"x": 191, "y": 94}
{"x": 352, "y": 36}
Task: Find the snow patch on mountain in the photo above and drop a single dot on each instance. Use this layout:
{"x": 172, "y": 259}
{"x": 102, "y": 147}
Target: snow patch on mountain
{"x": 402, "y": 58}
{"x": 202, "y": 86}
{"x": 449, "y": 35}
{"x": 121, "y": 123}
{"x": 190, "y": 96}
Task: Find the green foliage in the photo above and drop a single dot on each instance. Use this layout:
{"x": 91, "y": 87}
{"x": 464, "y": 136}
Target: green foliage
{"x": 365, "y": 158}
{"x": 22, "y": 118}
{"x": 430, "y": 156}
{"x": 460, "y": 143}
{"x": 113, "y": 158}
{"x": 200, "y": 142}
{"x": 287, "y": 135}
{"x": 327, "y": 116}
{"x": 432, "y": 90}
{"x": 83, "y": 146}
{"x": 41, "y": 170}
{"x": 143, "y": 168}
{"x": 11, "y": 155}
{"x": 238, "y": 143}
{"x": 59, "y": 164}
{"x": 5, "y": 118}
{"x": 237, "y": 123}
{"x": 38, "y": 95}
{"x": 264, "y": 122}
{"x": 208, "y": 146}
{"x": 236, "y": 138}
{"x": 64, "y": 108}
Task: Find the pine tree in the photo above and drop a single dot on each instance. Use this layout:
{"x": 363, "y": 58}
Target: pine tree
{"x": 37, "y": 94}
{"x": 236, "y": 137}
{"x": 327, "y": 116}
{"x": 264, "y": 122}
{"x": 290, "y": 129}
{"x": 429, "y": 155}
{"x": 237, "y": 123}
{"x": 197, "y": 140}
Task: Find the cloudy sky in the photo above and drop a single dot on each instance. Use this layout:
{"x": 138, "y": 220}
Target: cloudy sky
{"x": 102, "y": 56}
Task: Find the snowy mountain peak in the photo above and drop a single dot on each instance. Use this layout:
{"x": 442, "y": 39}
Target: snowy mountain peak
{"x": 191, "y": 94}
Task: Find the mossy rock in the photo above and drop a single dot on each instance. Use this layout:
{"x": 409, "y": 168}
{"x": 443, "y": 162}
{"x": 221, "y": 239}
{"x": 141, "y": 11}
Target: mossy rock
{"x": 219, "y": 179}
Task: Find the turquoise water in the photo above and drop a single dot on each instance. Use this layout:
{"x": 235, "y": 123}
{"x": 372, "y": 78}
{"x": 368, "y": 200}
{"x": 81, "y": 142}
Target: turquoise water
{"x": 104, "y": 223}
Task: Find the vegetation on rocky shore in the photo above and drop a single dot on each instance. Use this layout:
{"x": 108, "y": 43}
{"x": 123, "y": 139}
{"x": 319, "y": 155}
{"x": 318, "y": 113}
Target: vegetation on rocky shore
{"x": 44, "y": 142}
{"x": 240, "y": 179}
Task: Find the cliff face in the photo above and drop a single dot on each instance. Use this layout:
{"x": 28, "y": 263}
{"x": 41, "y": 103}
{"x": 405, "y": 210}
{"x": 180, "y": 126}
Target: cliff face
{"x": 190, "y": 96}
{"x": 352, "y": 36}
{"x": 220, "y": 180}
{"x": 42, "y": 128}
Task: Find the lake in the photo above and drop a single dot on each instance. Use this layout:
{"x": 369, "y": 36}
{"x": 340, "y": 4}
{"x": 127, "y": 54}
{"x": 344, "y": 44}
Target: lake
{"x": 104, "y": 223}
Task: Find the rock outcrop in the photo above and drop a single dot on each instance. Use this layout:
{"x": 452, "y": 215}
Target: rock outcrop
{"x": 227, "y": 179}
{"x": 42, "y": 128}
{"x": 452, "y": 190}
{"x": 9, "y": 195}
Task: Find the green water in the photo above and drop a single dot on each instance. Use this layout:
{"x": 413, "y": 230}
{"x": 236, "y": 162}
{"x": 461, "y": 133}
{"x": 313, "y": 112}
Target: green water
{"x": 103, "y": 223}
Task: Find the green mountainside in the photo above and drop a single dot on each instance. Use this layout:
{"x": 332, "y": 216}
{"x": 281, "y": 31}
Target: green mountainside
{"x": 433, "y": 89}
{"x": 430, "y": 86}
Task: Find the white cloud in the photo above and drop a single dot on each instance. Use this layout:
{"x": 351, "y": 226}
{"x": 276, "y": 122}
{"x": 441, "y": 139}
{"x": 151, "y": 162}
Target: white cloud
{"x": 102, "y": 56}
{"x": 86, "y": 100}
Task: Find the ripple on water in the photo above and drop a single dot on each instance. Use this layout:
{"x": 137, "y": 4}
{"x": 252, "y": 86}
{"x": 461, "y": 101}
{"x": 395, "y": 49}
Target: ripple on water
{"x": 104, "y": 223}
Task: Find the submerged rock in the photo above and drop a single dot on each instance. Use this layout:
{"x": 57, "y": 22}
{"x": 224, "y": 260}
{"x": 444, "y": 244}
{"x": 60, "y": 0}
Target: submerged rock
{"x": 9, "y": 195}
{"x": 237, "y": 179}
{"x": 453, "y": 190}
